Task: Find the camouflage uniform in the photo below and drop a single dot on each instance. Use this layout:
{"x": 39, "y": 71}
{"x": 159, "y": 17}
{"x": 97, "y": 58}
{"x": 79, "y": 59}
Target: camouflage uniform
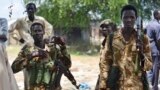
{"x": 102, "y": 28}
{"x": 40, "y": 71}
{"x": 125, "y": 54}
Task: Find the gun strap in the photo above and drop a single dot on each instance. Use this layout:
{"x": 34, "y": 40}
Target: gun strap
{"x": 110, "y": 42}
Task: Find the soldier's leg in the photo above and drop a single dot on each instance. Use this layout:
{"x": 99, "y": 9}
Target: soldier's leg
{"x": 155, "y": 72}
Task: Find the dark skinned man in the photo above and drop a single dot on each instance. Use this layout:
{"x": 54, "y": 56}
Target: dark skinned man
{"x": 123, "y": 54}
{"x": 38, "y": 59}
{"x": 105, "y": 28}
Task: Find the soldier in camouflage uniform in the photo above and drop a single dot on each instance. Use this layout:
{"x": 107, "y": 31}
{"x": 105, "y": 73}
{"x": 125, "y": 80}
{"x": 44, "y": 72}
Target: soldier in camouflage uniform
{"x": 125, "y": 52}
{"x": 105, "y": 27}
{"x": 38, "y": 60}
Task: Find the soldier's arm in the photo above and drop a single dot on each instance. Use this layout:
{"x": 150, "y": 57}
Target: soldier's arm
{"x": 147, "y": 54}
{"x": 65, "y": 56}
{"x": 105, "y": 61}
{"x": 20, "y": 62}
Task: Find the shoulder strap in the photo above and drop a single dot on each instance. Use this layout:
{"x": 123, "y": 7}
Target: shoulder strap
{"x": 110, "y": 43}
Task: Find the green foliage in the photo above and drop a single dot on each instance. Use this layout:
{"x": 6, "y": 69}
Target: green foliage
{"x": 78, "y": 13}
{"x": 114, "y": 8}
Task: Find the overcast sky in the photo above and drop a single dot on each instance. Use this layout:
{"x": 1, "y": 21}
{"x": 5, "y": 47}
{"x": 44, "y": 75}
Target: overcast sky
{"x": 17, "y": 9}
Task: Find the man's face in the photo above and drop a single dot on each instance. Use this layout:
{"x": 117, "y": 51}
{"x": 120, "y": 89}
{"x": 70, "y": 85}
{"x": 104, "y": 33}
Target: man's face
{"x": 37, "y": 32}
{"x": 106, "y": 29}
{"x": 128, "y": 18}
{"x": 31, "y": 10}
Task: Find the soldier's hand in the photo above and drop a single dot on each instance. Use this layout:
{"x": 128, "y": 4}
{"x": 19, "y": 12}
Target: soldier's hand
{"x": 32, "y": 55}
{"x": 139, "y": 45}
{"x": 35, "y": 54}
{"x": 39, "y": 53}
{"x": 58, "y": 40}
{"x": 140, "y": 49}
{"x": 42, "y": 53}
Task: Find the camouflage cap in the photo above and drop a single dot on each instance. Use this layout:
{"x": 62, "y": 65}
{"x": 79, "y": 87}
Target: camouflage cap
{"x": 38, "y": 22}
{"x": 105, "y": 22}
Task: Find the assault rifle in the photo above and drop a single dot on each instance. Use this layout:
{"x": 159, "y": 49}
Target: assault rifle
{"x": 61, "y": 68}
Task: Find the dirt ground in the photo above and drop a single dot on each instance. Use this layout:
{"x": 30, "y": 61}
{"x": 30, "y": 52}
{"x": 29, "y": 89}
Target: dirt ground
{"x": 84, "y": 68}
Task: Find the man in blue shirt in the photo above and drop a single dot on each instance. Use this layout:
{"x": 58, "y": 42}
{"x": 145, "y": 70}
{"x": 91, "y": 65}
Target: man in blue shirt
{"x": 153, "y": 31}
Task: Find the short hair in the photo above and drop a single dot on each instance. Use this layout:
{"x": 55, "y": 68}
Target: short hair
{"x": 128, "y": 7}
{"x": 29, "y": 4}
{"x": 155, "y": 13}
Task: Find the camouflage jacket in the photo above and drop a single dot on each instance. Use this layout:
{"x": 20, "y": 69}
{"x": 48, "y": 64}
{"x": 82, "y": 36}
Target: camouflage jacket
{"x": 125, "y": 55}
{"x": 40, "y": 71}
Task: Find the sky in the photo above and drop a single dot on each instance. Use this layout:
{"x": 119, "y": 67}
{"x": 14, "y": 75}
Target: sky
{"x": 17, "y": 9}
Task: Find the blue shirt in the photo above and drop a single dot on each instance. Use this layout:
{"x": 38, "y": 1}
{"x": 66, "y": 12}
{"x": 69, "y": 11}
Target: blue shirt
{"x": 153, "y": 26}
